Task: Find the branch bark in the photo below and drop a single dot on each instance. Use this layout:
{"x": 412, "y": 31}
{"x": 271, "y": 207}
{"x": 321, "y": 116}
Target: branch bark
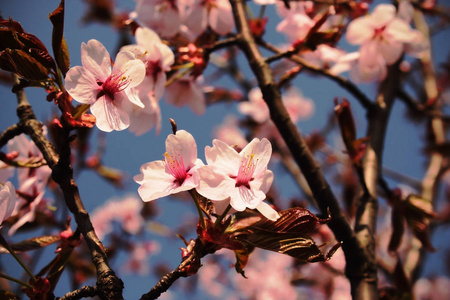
{"x": 109, "y": 286}
{"x": 356, "y": 257}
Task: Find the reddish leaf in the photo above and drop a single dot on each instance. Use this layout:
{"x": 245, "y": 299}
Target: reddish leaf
{"x": 33, "y": 243}
{"x": 355, "y": 147}
{"x": 23, "y": 64}
{"x": 58, "y": 42}
{"x": 288, "y": 235}
{"x": 13, "y": 36}
{"x": 242, "y": 256}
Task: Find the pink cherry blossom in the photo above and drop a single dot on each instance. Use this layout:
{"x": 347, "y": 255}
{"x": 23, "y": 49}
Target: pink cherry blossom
{"x": 375, "y": 70}
{"x": 157, "y": 58}
{"x": 7, "y": 200}
{"x": 124, "y": 211}
{"x": 381, "y": 33}
{"x": 163, "y": 16}
{"x": 187, "y": 91}
{"x": 214, "y": 13}
{"x": 110, "y": 93}
{"x": 230, "y": 133}
{"x": 138, "y": 259}
{"x": 242, "y": 177}
{"x": 275, "y": 268}
{"x": 176, "y": 173}
{"x": 256, "y": 107}
{"x": 298, "y": 107}
{"x": 144, "y": 119}
{"x": 31, "y": 181}
{"x": 295, "y": 26}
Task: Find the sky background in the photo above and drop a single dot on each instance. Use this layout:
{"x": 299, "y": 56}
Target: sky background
{"x": 128, "y": 152}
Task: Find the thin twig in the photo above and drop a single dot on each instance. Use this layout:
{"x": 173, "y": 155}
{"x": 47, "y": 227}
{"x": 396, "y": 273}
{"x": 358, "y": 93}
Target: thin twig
{"x": 343, "y": 82}
{"x": 108, "y": 284}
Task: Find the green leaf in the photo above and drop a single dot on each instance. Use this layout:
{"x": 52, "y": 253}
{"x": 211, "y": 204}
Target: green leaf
{"x": 33, "y": 243}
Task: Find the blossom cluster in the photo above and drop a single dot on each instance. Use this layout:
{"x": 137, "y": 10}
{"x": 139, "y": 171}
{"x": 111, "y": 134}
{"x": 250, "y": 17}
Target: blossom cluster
{"x": 32, "y": 179}
{"x": 238, "y": 179}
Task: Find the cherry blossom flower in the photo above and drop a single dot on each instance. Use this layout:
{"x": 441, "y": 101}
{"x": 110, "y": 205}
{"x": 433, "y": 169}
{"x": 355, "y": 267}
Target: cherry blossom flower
{"x": 381, "y": 35}
{"x": 176, "y": 173}
{"x": 163, "y": 16}
{"x": 276, "y": 269}
{"x": 138, "y": 259}
{"x": 375, "y": 70}
{"x": 256, "y": 107}
{"x": 298, "y": 107}
{"x": 157, "y": 58}
{"x": 7, "y": 200}
{"x": 126, "y": 212}
{"x": 144, "y": 119}
{"x": 31, "y": 181}
{"x": 214, "y": 13}
{"x": 110, "y": 93}
{"x": 242, "y": 177}
{"x": 187, "y": 91}
{"x": 230, "y": 133}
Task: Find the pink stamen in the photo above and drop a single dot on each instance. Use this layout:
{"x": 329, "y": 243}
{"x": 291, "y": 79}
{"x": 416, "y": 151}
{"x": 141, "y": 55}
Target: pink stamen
{"x": 175, "y": 165}
{"x": 246, "y": 170}
{"x": 115, "y": 83}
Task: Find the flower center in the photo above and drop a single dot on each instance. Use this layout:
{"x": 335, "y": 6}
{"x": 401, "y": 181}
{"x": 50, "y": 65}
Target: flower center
{"x": 175, "y": 166}
{"x": 246, "y": 170}
{"x": 153, "y": 68}
{"x": 379, "y": 32}
{"x": 113, "y": 84}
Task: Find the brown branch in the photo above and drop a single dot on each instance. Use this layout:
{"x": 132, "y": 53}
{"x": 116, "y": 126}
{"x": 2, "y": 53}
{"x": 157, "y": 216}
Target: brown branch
{"x": 192, "y": 261}
{"x": 85, "y": 291}
{"x": 9, "y": 134}
{"x": 108, "y": 284}
{"x": 355, "y": 255}
{"x": 343, "y": 82}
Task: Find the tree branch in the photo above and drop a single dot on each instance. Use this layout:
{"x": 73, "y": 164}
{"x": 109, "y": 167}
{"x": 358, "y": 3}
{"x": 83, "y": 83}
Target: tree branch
{"x": 355, "y": 255}
{"x": 343, "y": 82}
{"x": 85, "y": 291}
{"x": 108, "y": 284}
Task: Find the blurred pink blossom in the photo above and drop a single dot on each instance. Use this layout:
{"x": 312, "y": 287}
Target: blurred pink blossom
{"x": 256, "y": 107}
{"x": 230, "y": 133}
{"x": 187, "y": 91}
{"x": 138, "y": 259}
{"x": 31, "y": 181}
{"x": 268, "y": 275}
{"x": 126, "y": 212}
{"x": 163, "y": 16}
{"x": 8, "y": 200}
{"x": 432, "y": 289}
{"x": 217, "y": 14}
{"x": 177, "y": 173}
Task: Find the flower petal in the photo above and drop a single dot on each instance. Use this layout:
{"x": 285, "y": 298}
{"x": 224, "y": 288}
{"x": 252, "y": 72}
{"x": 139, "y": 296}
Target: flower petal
{"x": 82, "y": 85}
{"x": 267, "y": 211}
{"x": 96, "y": 59}
{"x": 109, "y": 115}
{"x": 223, "y": 157}
{"x": 183, "y": 143}
{"x": 213, "y": 185}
